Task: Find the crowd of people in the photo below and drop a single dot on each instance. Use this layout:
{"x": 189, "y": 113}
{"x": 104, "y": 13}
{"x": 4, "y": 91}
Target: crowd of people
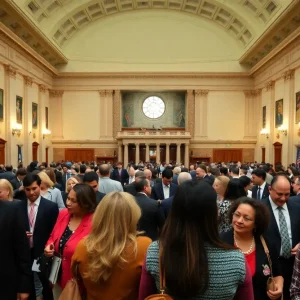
{"x": 207, "y": 231}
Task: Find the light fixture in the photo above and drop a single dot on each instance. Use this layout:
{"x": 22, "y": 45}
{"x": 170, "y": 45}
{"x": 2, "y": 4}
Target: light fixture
{"x": 46, "y": 132}
{"x": 265, "y": 132}
{"x": 282, "y": 130}
{"x": 16, "y": 129}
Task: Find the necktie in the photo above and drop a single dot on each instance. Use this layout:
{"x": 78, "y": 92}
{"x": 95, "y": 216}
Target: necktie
{"x": 285, "y": 239}
{"x": 31, "y": 221}
{"x": 258, "y": 193}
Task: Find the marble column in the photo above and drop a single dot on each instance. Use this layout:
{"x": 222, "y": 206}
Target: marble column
{"x": 186, "y": 155}
{"x": 137, "y": 153}
{"x": 56, "y": 113}
{"x": 201, "y": 113}
{"x": 102, "y": 114}
{"x": 125, "y": 155}
{"x": 147, "y": 153}
{"x": 178, "y": 160}
{"x": 190, "y": 112}
{"x": 167, "y": 153}
{"x": 109, "y": 129}
{"x": 158, "y": 153}
{"x": 116, "y": 113}
{"x": 120, "y": 152}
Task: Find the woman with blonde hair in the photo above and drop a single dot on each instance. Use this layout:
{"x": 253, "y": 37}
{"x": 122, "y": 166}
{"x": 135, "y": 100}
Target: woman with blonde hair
{"x": 110, "y": 258}
{"x": 48, "y": 191}
{"x": 6, "y": 190}
{"x": 69, "y": 185}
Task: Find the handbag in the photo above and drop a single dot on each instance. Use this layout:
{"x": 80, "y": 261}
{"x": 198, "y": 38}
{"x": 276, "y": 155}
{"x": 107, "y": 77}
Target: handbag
{"x": 162, "y": 285}
{"x": 71, "y": 290}
{"x": 271, "y": 284}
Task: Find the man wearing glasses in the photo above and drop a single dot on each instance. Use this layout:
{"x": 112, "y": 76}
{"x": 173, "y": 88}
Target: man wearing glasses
{"x": 284, "y": 227}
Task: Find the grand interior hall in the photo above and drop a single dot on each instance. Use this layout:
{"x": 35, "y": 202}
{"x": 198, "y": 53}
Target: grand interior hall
{"x": 141, "y": 80}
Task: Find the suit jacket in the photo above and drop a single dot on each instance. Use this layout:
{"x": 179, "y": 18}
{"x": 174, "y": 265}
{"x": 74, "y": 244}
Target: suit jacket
{"x": 15, "y": 183}
{"x": 130, "y": 188}
{"x": 15, "y": 271}
{"x": 99, "y": 196}
{"x": 265, "y": 193}
{"x": 107, "y": 185}
{"x": 7, "y": 175}
{"x": 209, "y": 179}
{"x": 116, "y": 176}
{"x": 152, "y": 219}
{"x": 166, "y": 205}
{"x": 83, "y": 230}
{"x": 259, "y": 280}
{"x": 157, "y": 192}
{"x": 44, "y": 223}
{"x": 65, "y": 177}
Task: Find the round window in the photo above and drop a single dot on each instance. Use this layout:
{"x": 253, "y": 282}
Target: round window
{"x": 153, "y": 107}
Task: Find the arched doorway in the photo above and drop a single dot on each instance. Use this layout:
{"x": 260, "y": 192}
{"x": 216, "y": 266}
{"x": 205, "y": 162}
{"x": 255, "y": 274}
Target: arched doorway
{"x": 2, "y": 151}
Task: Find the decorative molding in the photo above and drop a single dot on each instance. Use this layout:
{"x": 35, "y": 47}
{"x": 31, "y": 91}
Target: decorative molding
{"x": 270, "y": 85}
{"x": 102, "y": 93}
{"x": 109, "y": 93}
{"x": 226, "y": 142}
{"x": 42, "y": 88}
{"x": 250, "y": 93}
{"x": 55, "y": 93}
{"x": 288, "y": 75}
{"x": 201, "y": 92}
{"x": 11, "y": 71}
{"x": 28, "y": 80}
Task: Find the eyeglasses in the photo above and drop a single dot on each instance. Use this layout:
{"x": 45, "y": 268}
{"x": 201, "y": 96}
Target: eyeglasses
{"x": 237, "y": 215}
{"x": 281, "y": 194}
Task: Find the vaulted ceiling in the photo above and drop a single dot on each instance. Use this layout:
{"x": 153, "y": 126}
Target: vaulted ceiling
{"x": 48, "y": 25}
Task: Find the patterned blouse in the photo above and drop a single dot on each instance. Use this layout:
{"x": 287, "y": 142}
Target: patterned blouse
{"x": 224, "y": 222}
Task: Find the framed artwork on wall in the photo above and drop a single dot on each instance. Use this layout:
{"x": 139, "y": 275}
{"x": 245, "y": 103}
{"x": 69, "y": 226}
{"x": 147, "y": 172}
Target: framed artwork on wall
{"x": 278, "y": 113}
{"x": 46, "y": 117}
{"x": 297, "y": 107}
{"x": 19, "y": 109}
{"x": 1, "y": 105}
{"x": 34, "y": 115}
{"x": 264, "y": 116}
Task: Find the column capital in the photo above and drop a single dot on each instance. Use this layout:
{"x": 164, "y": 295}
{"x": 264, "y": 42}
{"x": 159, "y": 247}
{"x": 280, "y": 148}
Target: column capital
{"x": 270, "y": 85}
{"x": 102, "y": 93}
{"x": 147, "y": 144}
{"x": 28, "y": 80}
{"x": 190, "y": 92}
{"x": 55, "y": 93}
{"x": 109, "y": 93}
{"x": 288, "y": 75}
{"x": 11, "y": 71}
{"x": 201, "y": 92}
{"x": 125, "y": 144}
{"x": 42, "y": 88}
{"x": 178, "y": 144}
{"x": 168, "y": 144}
{"x": 250, "y": 93}
{"x": 137, "y": 144}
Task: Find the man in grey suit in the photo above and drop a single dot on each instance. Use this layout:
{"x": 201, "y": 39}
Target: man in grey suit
{"x": 107, "y": 185}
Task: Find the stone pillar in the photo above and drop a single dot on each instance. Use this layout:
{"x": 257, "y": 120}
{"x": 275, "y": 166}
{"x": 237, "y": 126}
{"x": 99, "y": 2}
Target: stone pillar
{"x": 120, "y": 152}
{"x": 186, "y": 155}
{"x": 125, "y": 155}
{"x": 109, "y": 114}
{"x": 178, "y": 160}
{"x": 190, "y": 111}
{"x": 102, "y": 114}
{"x": 158, "y": 153}
{"x": 147, "y": 153}
{"x": 137, "y": 153}
{"x": 56, "y": 118}
{"x": 167, "y": 153}
{"x": 201, "y": 113}
{"x": 116, "y": 113}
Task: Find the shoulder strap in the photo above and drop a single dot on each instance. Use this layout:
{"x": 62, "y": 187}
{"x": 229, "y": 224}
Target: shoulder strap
{"x": 162, "y": 279}
{"x": 267, "y": 253}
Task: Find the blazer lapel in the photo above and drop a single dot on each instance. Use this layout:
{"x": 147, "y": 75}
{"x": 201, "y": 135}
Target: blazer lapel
{"x": 84, "y": 223}
{"x": 25, "y": 211}
{"x": 293, "y": 217}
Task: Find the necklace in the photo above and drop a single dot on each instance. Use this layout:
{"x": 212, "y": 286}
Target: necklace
{"x": 250, "y": 249}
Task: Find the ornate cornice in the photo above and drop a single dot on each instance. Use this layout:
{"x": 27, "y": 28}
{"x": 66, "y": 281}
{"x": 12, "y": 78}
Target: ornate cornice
{"x": 28, "y": 80}
{"x": 11, "y": 71}
{"x": 201, "y": 92}
{"x": 55, "y": 93}
{"x": 288, "y": 75}
{"x": 250, "y": 93}
{"x": 42, "y": 88}
{"x": 269, "y": 85}
{"x": 102, "y": 93}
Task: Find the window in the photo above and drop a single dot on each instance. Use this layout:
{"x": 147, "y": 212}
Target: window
{"x": 153, "y": 107}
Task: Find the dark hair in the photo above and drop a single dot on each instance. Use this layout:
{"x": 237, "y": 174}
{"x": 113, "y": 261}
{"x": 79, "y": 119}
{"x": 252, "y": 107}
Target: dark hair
{"x": 203, "y": 167}
{"x": 262, "y": 214}
{"x": 260, "y": 173}
{"x": 139, "y": 185}
{"x": 245, "y": 180}
{"x": 21, "y": 171}
{"x": 224, "y": 170}
{"x": 30, "y": 178}
{"x": 167, "y": 173}
{"x": 82, "y": 168}
{"x": 191, "y": 223}
{"x": 90, "y": 176}
{"x": 234, "y": 190}
{"x": 234, "y": 170}
{"x": 215, "y": 171}
{"x": 85, "y": 196}
{"x": 8, "y": 168}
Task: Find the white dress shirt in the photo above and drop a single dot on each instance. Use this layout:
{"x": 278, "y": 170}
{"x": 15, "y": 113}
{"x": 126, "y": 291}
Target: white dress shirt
{"x": 166, "y": 190}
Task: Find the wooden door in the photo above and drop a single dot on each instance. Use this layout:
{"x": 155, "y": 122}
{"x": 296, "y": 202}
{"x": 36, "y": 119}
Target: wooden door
{"x": 47, "y": 155}
{"x": 35, "y": 147}
{"x": 143, "y": 153}
{"x": 263, "y": 155}
{"x": 73, "y": 154}
{"x": 227, "y": 155}
{"x": 277, "y": 153}
{"x": 173, "y": 151}
{"x": 2, "y": 151}
{"x": 131, "y": 153}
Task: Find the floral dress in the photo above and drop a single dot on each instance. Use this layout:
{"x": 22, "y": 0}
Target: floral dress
{"x": 224, "y": 222}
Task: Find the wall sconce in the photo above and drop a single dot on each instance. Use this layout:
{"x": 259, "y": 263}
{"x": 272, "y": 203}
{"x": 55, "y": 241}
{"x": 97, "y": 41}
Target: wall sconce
{"x": 46, "y": 132}
{"x": 265, "y": 132}
{"x": 282, "y": 130}
{"x": 16, "y": 129}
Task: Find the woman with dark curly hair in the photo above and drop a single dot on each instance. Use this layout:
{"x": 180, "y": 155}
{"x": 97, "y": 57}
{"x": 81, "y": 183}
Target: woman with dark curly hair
{"x": 250, "y": 220}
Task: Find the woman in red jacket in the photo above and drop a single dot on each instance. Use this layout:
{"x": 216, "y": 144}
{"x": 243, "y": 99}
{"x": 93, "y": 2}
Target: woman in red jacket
{"x": 73, "y": 224}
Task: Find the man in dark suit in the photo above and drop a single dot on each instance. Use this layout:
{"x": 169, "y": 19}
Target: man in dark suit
{"x": 201, "y": 174}
{"x": 152, "y": 219}
{"x": 166, "y": 188}
{"x": 40, "y": 217}
{"x": 284, "y": 227}
{"x": 15, "y": 271}
{"x": 92, "y": 179}
{"x": 167, "y": 203}
{"x": 66, "y": 175}
{"x": 9, "y": 174}
{"x": 120, "y": 174}
{"x": 260, "y": 189}
{"x": 17, "y": 182}
{"x": 130, "y": 188}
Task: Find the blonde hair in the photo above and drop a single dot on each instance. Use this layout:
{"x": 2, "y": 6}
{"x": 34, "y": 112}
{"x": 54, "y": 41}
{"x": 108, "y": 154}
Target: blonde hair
{"x": 4, "y": 183}
{"x": 224, "y": 180}
{"x": 71, "y": 178}
{"x": 46, "y": 179}
{"x": 113, "y": 230}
